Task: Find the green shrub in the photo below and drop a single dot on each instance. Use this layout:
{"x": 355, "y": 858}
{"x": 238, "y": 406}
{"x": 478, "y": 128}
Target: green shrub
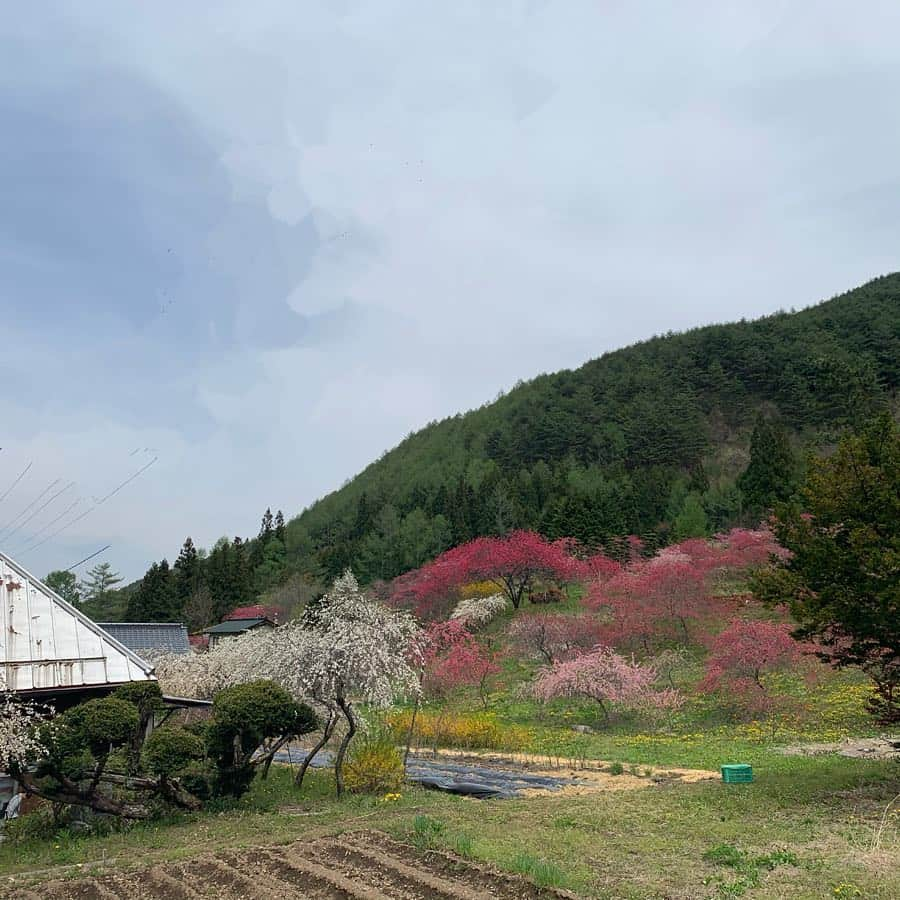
{"x": 169, "y": 750}
{"x": 145, "y": 695}
{"x": 374, "y": 765}
{"x": 245, "y": 716}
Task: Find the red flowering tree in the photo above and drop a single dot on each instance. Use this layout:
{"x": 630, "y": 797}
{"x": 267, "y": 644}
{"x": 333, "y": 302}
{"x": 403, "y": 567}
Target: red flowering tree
{"x": 555, "y": 636}
{"x": 514, "y": 563}
{"x": 453, "y": 659}
{"x": 741, "y": 657}
{"x": 686, "y": 585}
{"x": 607, "y": 678}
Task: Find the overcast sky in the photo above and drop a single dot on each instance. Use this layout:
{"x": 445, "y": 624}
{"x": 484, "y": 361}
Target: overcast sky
{"x": 260, "y": 242}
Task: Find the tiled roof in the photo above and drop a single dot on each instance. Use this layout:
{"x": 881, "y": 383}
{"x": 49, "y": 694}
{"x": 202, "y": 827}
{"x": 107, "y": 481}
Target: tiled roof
{"x": 236, "y": 626}
{"x": 254, "y": 612}
{"x": 169, "y": 637}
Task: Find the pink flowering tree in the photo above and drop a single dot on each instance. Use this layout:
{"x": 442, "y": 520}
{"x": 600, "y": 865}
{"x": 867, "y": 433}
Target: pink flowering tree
{"x": 607, "y": 678}
{"x": 555, "y": 636}
{"x": 453, "y": 659}
{"x": 514, "y": 563}
{"x": 743, "y": 655}
{"x": 685, "y": 587}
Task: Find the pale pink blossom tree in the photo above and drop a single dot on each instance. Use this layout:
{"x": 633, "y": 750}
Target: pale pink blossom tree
{"x": 607, "y": 678}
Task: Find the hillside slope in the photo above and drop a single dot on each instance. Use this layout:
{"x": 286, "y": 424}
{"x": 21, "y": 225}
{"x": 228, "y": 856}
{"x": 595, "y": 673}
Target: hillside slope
{"x": 619, "y": 445}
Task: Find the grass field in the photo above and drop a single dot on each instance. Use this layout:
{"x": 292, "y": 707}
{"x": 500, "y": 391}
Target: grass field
{"x": 807, "y": 827}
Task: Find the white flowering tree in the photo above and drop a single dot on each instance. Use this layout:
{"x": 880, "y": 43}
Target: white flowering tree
{"x": 476, "y": 612}
{"x": 19, "y": 742}
{"x": 355, "y": 651}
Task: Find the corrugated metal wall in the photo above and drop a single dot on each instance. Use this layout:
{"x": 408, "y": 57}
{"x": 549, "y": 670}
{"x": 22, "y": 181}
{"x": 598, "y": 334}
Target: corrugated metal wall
{"x": 45, "y": 643}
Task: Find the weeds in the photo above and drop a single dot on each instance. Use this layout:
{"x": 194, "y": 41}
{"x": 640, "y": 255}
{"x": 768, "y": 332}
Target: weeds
{"x": 747, "y": 868}
{"x": 541, "y": 872}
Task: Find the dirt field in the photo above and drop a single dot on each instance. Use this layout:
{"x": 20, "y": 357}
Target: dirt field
{"x": 363, "y": 865}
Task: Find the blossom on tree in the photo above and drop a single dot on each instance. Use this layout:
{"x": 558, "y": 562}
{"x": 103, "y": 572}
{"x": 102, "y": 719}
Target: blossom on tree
{"x": 743, "y": 654}
{"x": 453, "y": 658}
{"x": 666, "y": 597}
{"x": 19, "y": 742}
{"x": 607, "y": 678}
{"x": 513, "y": 563}
{"x": 555, "y": 636}
{"x": 476, "y": 612}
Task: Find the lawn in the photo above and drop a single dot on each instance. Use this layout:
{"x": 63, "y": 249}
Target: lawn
{"x": 807, "y": 827}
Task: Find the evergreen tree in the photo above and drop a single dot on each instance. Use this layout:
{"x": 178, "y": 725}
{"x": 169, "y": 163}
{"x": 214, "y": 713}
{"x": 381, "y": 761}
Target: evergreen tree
{"x": 771, "y": 474}
{"x": 155, "y": 600}
{"x": 66, "y": 585}
{"x": 101, "y": 601}
{"x": 187, "y": 573}
{"x": 279, "y": 527}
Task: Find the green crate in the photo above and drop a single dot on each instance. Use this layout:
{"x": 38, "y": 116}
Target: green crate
{"x": 737, "y": 773}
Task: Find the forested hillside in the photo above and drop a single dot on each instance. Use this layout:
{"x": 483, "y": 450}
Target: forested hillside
{"x": 654, "y": 439}
{"x": 643, "y": 440}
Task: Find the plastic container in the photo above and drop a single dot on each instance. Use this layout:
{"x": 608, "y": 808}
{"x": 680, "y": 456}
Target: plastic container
{"x": 737, "y": 773}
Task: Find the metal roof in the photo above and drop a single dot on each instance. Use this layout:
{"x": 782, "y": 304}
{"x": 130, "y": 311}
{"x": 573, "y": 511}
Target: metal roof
{"x": 235, "y": 626}
{"x": 167, "y": 637}
{"x": 47, "y": 644}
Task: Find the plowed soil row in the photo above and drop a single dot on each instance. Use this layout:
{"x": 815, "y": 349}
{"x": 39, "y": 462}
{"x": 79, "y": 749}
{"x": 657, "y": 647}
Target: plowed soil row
{"x": 354, "y": 866}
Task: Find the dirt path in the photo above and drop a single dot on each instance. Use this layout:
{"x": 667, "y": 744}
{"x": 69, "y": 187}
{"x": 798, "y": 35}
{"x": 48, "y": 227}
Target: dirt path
{"x": 353, "y": 866}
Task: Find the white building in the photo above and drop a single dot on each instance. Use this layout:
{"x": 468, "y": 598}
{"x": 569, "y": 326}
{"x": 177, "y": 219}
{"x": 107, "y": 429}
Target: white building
{"x": 50, "y": 650}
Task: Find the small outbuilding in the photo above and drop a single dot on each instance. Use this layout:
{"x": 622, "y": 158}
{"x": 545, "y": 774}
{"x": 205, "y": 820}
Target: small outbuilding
{"x": 233, "y": 627}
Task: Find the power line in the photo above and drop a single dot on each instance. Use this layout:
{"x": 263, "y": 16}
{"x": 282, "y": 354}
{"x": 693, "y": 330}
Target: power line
{"x": 40, "y": 509}
{"x": 128, "y": 480}
{"x": 46, "y": 490}
{"x": 82, "y": 561}
{"x": 49, "y": 525}
{"x": 61, "y": 529}
{"x": 22, "y": 474}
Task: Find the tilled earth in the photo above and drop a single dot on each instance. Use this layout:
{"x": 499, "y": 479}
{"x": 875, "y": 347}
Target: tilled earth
{"x": 362, "y": 865}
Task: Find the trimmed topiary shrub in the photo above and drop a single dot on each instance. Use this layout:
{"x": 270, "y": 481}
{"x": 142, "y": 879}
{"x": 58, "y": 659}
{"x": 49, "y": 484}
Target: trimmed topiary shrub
{"x": 168, "y": 751}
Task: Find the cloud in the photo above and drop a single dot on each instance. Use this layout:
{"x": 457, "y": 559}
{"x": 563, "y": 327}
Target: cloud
{"x": 273, "y": 240}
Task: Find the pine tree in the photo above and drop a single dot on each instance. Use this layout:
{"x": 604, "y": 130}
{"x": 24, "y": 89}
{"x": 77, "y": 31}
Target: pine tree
{"x": 155, "y": 600}
{"x": 771, "y": 475}
{"x": 279, "y": 526}
{"x": 187, "y": 573}
{"x": 101, "y": 601}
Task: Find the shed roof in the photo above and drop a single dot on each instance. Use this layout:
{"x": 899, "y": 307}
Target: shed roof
{"x": 236, "y": 626}
{"x": 47, "y": 644}
{"x": 257, "y": 611}
{"x": 168, "y": 637}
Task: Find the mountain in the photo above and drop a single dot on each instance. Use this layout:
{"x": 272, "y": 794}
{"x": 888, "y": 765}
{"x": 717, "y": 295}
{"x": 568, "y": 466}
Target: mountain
{"x": 635, "y": 441}
{"x": 681, "y": 435}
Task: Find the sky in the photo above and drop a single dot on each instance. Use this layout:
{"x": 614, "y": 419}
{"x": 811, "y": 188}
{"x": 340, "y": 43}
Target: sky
{"x": 247, "y": 247}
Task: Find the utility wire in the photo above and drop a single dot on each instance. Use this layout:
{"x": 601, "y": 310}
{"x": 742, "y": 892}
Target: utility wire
{"x": 100, "y": 502}
{"x": 31, "y": 540}
{"x": 83, "y": 561}
{"x": 22, "y": 474}
{"x": 40, "y": 509}
{"x": 61, "y": 529}
{"x": 45, "y": 491}
{"x": 128, "y": 480}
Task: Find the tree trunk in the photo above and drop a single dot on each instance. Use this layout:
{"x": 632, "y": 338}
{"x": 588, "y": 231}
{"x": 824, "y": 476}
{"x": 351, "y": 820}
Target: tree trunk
{"x": 327, "y": 731}
{"x": 347, "y": 710}
{"x": 266, "y": 761}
